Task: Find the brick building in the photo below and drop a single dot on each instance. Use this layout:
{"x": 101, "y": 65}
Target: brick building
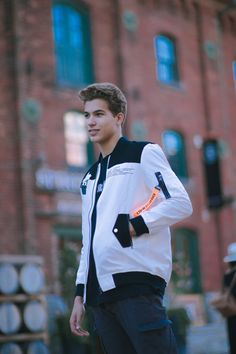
{"x": 176, "y": 62}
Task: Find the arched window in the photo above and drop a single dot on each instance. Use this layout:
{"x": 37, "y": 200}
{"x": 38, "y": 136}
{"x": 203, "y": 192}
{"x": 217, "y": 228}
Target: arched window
{"x": 72, "y": 43}
{"x": 166, "y": 59}
{"x": 186, "y": 261}
{"x": 79, "y": 152}
{"x": 174, "y": 148}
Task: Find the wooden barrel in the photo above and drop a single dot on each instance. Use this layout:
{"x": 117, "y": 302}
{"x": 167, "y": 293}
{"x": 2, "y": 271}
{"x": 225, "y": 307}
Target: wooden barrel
{"x": 35, "y": 316}
{"x": 10, "y": 318}
{"x": 9, "y": 280}
{"x": 10, "y": 348}
{"x": 37, "y": 347}
{"x": 31, "y": 278}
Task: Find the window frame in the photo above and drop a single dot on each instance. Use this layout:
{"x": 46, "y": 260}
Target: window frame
{"x": 184, "y": 177}
{"x": 175, "y": 66}
{"x": 87, "y": 57}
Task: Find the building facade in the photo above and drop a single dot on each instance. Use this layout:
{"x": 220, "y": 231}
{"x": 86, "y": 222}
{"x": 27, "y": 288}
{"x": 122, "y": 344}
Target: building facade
{"x": 176, "y": 62}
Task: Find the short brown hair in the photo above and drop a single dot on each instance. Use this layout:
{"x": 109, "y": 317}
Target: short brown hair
{"x": 109, "y": 92}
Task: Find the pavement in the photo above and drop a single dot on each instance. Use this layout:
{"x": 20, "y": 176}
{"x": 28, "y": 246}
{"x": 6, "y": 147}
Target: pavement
{"x": 208, "y": 339}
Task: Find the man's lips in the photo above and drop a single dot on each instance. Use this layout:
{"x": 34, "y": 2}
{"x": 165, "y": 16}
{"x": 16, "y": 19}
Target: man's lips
{"x": 93, "y": 131}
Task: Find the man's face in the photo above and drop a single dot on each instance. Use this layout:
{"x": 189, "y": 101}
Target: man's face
{"x": 102, "y": 124}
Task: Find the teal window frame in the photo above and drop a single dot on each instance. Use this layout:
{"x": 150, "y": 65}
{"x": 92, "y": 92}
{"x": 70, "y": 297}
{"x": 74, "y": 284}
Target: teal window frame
{"x": 166, "y": 59}
{"x": 174, "y": 148}
{"x": 72, "y": 43}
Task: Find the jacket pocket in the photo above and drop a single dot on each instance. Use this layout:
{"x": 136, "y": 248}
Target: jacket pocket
{"x": 159, "y": 324}
{"x": 162, "y": 185}
{"x": 160, "y": 334}
{"x": 121, "y": 230}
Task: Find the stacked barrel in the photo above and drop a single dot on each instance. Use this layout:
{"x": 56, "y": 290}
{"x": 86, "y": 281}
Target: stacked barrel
{"x": 23, "y": 311}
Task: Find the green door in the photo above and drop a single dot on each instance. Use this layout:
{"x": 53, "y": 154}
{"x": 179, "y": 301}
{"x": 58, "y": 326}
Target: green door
{"x": 186, "y": 275}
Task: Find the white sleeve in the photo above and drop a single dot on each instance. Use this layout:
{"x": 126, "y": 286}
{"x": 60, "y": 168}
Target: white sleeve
{"x": 81, "y": 273}
{"x": 171, "y": 208}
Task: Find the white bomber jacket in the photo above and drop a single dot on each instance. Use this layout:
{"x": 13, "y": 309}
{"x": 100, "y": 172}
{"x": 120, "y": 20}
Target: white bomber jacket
{"x": 134, "y": 169}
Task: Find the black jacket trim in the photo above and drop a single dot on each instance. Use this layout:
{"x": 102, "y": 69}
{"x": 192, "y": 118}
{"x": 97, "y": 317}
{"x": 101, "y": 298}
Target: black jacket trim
{"x": 139, "y": 277}
{"x": 79, "y": 290}
{"x": 139, "y": 226}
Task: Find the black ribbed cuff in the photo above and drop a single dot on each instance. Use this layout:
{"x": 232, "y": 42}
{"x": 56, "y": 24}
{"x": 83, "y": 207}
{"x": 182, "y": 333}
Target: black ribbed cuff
{"x": 79, "y": 290}
{"x": 139, "y": 226}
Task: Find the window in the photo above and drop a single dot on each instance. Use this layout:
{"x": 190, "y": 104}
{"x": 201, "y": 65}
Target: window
{"x": 166, "y": 61}
{"x": 79, "y": 152}
{"x": 234, "y": 73}
{"x": 234, "y": 70}
{"x": 72, "y": 43}
{"x": 69, "y": 247}
{"x": 174, "y": 148}
{"x": 186, "y": 276}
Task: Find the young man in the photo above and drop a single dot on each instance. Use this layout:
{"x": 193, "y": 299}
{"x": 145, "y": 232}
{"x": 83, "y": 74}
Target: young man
{"x": 130, "y": 198}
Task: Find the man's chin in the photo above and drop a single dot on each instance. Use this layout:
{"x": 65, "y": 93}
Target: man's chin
{"x": 95, "y": 139}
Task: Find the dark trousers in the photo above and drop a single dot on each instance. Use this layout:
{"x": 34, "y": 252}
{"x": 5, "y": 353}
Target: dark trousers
{"x": 231, "y": 324}
{"x": 137, "y": 325}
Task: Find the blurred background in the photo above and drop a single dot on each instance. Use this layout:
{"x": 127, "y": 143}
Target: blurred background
{"x": 176, "y": 62}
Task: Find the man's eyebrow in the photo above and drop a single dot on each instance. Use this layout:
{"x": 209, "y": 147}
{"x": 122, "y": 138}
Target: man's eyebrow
{"x": 97, "y": 111}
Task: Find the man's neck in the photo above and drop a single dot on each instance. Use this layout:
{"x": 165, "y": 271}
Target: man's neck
{"x": 106, "y": 148}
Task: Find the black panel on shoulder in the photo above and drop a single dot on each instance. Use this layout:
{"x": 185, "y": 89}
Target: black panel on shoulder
{"x": 89, "y": 175}
{"x": 127, "y": 151}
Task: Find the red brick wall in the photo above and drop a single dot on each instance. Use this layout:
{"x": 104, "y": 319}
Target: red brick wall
{"x": 11, "y": 225}
{"x": 126, "y": 58}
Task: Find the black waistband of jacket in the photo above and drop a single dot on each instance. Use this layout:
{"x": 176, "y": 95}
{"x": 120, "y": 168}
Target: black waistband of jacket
{"x": 139, "y": 277}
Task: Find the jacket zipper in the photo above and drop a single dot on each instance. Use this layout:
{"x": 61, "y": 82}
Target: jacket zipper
{"x": 90, "y": 228}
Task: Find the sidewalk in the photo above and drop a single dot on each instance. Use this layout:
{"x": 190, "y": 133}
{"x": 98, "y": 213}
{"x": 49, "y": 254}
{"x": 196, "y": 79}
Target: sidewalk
{"x": 208, "y": 339}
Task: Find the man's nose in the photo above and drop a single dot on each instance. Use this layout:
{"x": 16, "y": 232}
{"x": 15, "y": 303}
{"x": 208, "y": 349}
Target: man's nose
{"x": 91, "y": 121}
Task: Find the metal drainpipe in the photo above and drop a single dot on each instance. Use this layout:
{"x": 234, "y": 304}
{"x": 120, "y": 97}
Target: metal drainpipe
{"x": 28, "y": 213}
{"x": 119, "y": 61}
{"x": 21, "y": 236}
{"x": 203, "y": 69}
{"x": 221, "y": 65}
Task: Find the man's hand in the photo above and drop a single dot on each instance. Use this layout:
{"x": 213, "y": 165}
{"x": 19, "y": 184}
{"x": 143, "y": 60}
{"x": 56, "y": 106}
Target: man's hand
{"x": 76, "y": 318}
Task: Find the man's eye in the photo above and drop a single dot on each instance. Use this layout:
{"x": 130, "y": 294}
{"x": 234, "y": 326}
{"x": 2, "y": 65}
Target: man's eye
{"x": 99, "y": 114}
{"x": 86, "y": 116}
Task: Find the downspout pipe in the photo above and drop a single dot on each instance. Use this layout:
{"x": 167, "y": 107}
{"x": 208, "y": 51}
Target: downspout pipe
{"x": 117, "y": 27}
{"x": 203, "y": 69}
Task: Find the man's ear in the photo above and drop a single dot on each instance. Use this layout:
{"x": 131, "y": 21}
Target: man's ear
{"x": 120, "y": 118}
